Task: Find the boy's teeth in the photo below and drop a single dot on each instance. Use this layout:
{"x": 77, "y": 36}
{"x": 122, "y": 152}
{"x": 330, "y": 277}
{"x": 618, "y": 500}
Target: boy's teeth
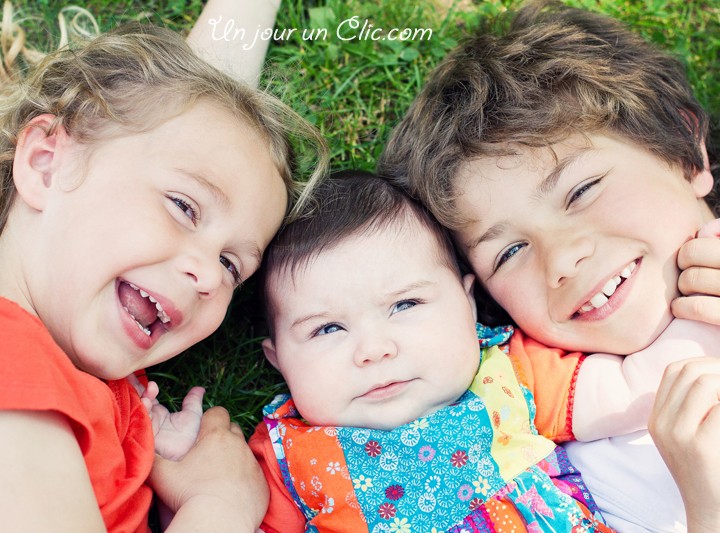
{"x": 599, "y": 300}
{"x": 610, "y": 286}
{"x": 608, "y": 289}
{"x": 161, "y": 314}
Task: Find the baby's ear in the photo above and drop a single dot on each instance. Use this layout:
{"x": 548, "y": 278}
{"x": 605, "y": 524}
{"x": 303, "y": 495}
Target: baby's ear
{"x": 35, "y": 155}
{"x": 269, "y": 350}
{"x": 702, "y": 182}
{"x": 468, "y": 282}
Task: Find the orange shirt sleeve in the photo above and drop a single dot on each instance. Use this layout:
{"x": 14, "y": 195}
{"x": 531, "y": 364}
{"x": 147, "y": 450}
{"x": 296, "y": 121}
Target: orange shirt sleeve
{"x": 282, "y": 515}
{"x": 551, "y": 375}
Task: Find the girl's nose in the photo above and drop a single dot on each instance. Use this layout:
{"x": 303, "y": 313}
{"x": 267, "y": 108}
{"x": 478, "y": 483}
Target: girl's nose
{"x": 204, "y": 271}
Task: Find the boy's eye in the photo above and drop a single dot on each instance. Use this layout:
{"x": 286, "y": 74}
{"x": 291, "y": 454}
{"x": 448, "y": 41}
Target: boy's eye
{"x": 232, "y": 268}
{"x": 187, "y": 209}
{"x": 327, "y": 329}
{"x": 404, "y": 305}
{"x": 507, "y": 254}
{"x": 581, "y": 190}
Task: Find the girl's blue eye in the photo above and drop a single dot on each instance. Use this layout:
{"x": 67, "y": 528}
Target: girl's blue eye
{"x": 580, "y": 191}
{"x": 230, "y": 266}
{"x": 327, "y": 329}
{"x": 186, "y": 208}
{"x": 507, "y": 254}
{"x": 404, "y": 305}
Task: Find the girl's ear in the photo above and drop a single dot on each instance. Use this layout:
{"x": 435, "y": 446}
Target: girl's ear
{"x": 35, "y": 155}
{"x": 269, "y": 349}
{"x": 702, "y": 182}
{"x": 468, "y": 282}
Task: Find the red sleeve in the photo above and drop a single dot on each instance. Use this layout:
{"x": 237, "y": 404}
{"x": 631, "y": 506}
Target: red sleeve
{"x": 551, "y": 375}
{"x": 282, "y": 515}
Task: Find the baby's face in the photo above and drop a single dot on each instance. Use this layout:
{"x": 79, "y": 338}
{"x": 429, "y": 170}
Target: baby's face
{"x": 581, "y": 250}
{"x": 141, "y": 256}
{"x": 374, "y": 332}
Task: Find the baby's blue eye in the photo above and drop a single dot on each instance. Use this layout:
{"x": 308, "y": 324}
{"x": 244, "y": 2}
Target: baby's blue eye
{"x": 404, "y": 305}
{"x": 327, "y": 329}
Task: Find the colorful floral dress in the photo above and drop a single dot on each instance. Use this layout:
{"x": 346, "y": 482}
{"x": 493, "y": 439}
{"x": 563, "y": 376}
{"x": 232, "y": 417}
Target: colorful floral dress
{"x": 477, "y": 465}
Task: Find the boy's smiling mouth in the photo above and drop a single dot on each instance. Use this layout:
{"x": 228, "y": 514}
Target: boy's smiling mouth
{"x": 603, "y": 296}
{"x": 142, "y": 308}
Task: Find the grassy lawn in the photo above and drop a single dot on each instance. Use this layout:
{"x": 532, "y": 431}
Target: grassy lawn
{"x": 355, "y": 90}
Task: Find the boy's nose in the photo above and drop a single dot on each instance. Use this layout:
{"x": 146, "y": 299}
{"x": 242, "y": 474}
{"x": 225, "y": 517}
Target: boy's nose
{"x": 375, "y": 348}
{"x": 564, "y": 255}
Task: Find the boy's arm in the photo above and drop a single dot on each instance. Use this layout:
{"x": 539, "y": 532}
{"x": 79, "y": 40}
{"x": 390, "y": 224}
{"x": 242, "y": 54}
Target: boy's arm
{"x": 615, "y": 394}
{"x": 228, "y": 34}
{"x": 282, "y": 515}
{"x": 45, "y": 483}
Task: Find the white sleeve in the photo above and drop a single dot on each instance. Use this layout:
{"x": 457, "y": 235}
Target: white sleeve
{"x": 615, "y": 394}
{"x": 229, "y": 35}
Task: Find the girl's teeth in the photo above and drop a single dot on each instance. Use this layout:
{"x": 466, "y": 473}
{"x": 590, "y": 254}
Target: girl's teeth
{"x": 599, "y": 300}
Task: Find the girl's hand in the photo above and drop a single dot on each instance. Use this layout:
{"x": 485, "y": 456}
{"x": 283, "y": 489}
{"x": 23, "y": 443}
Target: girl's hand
{"x": 699, "y": 282}
{"x": 685, "y": 424}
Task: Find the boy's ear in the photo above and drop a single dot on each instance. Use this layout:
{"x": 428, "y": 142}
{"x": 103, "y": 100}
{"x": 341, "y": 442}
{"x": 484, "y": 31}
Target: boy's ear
{"x": 702, "y": 182}
{"x": 269, "y": 350}
{"x": 468, "y": 282}
{"x": 34, "y": 156}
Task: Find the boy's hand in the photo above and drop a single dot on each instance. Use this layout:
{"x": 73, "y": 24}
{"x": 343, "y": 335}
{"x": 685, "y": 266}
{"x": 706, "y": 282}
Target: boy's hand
{"x": 685, "y": 424}
{"x": 699, "y": 282}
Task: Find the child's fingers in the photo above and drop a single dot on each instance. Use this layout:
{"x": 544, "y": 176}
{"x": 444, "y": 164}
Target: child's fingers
{"x": 193, "y": 400}
{"x": 135, "y": 382}
{"x": 699, "y": 307}
{"x": 699, "y": 280}
{"x": 151, "y": 391}
{"x": 702, "y": 251}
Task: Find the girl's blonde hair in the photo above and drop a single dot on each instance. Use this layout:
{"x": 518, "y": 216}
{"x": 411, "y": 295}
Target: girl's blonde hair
{"x": 129, "y": 80}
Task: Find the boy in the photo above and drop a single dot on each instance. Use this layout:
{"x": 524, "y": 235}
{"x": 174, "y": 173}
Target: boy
{"x": 554, "y": 152}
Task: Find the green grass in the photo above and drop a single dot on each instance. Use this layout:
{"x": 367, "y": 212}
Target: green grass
{"x": 355, "y": 91}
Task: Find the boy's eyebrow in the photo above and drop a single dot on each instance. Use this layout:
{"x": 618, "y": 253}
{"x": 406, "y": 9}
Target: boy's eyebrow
{"x": 545, "y": 187}
{"x": 309, "y": 317}
{"x": 216, "y": 192}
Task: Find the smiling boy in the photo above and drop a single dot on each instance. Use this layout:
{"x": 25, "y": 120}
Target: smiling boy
{"x": 567, "y": 155}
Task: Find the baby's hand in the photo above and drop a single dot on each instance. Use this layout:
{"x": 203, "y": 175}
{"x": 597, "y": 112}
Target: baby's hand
{"x": 699, "y": 282}
{"x": 175, "y": 433}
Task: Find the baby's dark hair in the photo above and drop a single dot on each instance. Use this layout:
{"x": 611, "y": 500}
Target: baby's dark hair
{"x": 551, "y": 71}
{"x": 344, "y": 205}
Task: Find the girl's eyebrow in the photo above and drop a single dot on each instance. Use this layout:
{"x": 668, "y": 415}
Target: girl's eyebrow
{"x": 216, "y": 192}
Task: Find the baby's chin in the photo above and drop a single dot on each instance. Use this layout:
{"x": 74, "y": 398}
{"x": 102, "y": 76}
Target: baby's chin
{"x": 385, "y": 421}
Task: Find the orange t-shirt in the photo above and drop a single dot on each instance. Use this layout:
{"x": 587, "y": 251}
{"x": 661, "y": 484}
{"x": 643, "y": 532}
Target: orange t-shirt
{"x": 111, "y": 426}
